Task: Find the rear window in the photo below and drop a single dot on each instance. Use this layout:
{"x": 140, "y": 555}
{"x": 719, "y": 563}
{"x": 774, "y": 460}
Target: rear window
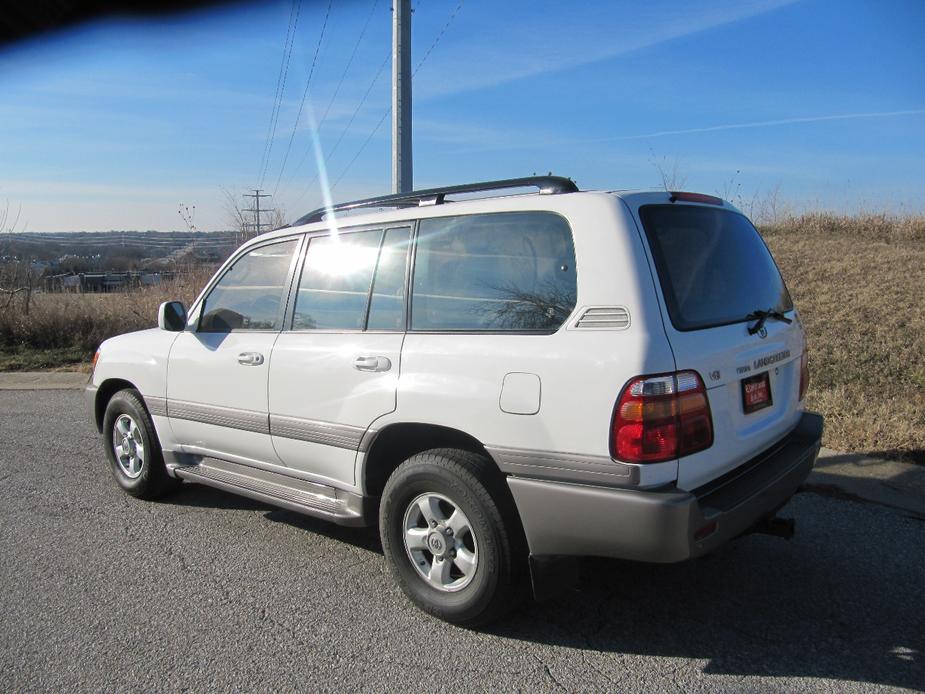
{"x": 713, "y": 266}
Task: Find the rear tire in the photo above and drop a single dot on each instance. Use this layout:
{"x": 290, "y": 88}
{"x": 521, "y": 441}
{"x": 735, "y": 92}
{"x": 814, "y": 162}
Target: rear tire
{"x": 133, "y": 449}
{"x": 452, "y": 537}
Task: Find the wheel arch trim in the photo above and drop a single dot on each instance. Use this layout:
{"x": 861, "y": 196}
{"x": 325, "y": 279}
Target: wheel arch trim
{"x": 383, "y": 450}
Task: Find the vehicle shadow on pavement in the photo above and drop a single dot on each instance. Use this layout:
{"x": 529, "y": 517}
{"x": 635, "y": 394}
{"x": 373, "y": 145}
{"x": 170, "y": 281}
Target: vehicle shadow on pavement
{"x": 363, "y": 538}
{"x": 201, "y": 496}
{"x": 846, "y": 605}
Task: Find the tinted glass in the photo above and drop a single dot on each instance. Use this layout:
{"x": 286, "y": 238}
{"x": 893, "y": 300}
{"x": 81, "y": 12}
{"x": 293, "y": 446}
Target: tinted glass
{"x": 713, "y": 266}
{"x": 494, "y": 272}
{"x": 334, "y": 288}
{"x": 249, "y": 295}
{"x": 387, "y": 305}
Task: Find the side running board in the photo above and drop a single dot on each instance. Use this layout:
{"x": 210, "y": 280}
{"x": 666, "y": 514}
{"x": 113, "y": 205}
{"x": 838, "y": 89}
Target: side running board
{"x": 301, "y": 496}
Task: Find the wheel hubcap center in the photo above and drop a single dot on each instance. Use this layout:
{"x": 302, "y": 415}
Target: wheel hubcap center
{"x": 438, "y": 543}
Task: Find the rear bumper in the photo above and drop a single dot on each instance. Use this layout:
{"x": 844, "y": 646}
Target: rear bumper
{"x": 660, "y": 525}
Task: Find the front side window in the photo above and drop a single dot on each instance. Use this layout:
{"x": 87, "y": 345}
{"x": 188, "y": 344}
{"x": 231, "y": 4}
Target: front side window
{"x": 494, "y": 272}
{"x": 249, "y": 295}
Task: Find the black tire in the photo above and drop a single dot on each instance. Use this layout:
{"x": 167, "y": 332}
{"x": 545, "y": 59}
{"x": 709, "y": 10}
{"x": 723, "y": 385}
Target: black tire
{"x": 153, "y": 481}
{"x": 474, "y": 486}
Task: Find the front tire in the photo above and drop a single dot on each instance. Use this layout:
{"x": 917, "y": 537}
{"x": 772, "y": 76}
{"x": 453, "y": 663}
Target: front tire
{"x": 451, "y": 536}
{"x": 133, "y": 449}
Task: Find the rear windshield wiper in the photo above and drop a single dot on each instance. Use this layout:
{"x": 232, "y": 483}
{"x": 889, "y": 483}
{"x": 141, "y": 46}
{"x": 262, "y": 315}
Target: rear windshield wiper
{"x": 762, "y": 317}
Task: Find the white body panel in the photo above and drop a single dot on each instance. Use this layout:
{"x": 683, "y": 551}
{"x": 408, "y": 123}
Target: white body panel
{"x": 205, "y": 371}
{"x": 738, "y": 436}
{"x": 141, "y": 359}
{"x": 313, "y": 376}
{"x": 457, "y": 383}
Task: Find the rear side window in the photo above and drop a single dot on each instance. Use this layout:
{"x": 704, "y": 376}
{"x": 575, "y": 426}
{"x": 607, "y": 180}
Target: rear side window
{"x": 335, "y": 281}
{"x": 354, "y": 281}
{"x": 387, "y": 301}
{"x": 713, "y": 266}
{"x": 493, "y": 272}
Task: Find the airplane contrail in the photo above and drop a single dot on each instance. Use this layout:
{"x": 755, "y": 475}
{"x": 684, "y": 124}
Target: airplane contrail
{"x": 767, "y": 123}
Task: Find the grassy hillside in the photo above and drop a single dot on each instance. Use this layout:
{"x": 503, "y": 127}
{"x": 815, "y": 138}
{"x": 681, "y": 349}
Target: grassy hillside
{"x": 859, "y": 283}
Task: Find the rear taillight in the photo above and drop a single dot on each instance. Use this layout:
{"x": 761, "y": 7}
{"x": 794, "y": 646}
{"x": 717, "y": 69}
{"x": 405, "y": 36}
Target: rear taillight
{"x": 660, "y": 418}
{"x": 804, "y": 372}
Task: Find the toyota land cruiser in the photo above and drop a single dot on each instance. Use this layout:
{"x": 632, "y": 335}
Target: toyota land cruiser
{"x": 497, "y": 382}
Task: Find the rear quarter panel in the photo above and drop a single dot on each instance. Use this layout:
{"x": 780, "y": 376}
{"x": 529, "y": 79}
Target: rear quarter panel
{"x": 455, "y": 380}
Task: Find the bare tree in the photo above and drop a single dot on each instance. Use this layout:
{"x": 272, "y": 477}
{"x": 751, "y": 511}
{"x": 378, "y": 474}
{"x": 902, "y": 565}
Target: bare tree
{"x": 18, "y": 276}
{"x": 188, "y": 214}
{"x": 669, "y": 171}
{"x": 518, "y": 309}
{"x": 244, "y": 222}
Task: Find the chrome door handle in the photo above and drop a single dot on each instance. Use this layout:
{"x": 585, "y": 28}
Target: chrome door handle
{"x": 250, "y": 358}
{"x": 366, "y": 363}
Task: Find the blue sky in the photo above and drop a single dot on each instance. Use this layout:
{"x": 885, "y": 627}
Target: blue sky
{"x": 112, "y": 125}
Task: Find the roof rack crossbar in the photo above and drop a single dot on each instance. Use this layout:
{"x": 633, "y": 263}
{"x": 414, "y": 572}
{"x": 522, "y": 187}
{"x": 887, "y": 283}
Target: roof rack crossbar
{"x": 546, "y": 185}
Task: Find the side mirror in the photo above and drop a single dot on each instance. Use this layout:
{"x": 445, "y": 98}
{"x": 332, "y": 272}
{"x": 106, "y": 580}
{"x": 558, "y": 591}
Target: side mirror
{"x": 171, "y": 316}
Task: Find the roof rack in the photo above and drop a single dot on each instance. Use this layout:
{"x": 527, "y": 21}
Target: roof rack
{"x": 546, "y": 185}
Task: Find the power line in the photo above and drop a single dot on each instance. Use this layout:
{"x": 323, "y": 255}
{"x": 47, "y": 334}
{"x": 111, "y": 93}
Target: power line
{"x": 280, "y": 86}
{"x": 304, "y": 95}
{"x": 294, "y": 13}
{"x": 439, "y": 36}
{"x": 389, "y": 109}
{"x": 336, "y": 90}
{"x": 353, "y": 116}
{"x": 362, "y": 147}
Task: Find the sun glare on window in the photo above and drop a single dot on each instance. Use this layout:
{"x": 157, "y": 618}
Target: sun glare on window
{"x": 341, "y": 258}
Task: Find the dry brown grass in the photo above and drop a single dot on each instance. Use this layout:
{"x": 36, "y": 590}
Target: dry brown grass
{"x": 72, "y": 326}
{"x": 859, "y": 284}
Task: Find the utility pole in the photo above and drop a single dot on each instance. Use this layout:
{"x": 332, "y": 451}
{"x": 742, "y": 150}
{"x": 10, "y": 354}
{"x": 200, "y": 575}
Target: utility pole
{"x": 401, "y": 96}
{"x": 256, "y": 195}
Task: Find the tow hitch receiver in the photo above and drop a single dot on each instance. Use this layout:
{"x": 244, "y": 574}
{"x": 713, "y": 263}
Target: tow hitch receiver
{"x": 779, "y": 527}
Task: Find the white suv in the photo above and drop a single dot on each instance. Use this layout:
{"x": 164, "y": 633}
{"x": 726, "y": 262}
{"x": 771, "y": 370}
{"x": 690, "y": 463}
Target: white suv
{"x": 499, "y": 382}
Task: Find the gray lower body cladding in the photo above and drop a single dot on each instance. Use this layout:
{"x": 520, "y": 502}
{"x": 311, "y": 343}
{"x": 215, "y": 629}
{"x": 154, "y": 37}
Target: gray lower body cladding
{"x": 663, "y": 525}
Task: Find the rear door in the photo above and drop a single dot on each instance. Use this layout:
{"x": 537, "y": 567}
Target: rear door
{"x": 714, "y": 271}
{"x": 336, "y": 370}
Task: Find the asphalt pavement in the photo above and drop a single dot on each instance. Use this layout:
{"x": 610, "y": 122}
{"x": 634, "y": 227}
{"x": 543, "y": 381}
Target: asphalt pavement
{"x": 208, "y": 591}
